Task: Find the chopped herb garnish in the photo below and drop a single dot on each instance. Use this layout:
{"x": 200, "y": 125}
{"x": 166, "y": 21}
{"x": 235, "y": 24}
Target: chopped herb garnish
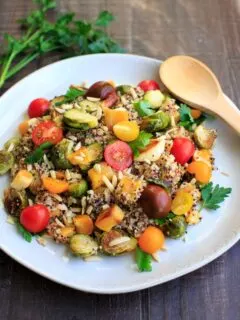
{"x": 144, "y": 260}
{"x": 140, "y": 143}
{"x": 26, "y": 234}
{"x": 212, "y": 196}
{"x": 161, "y": 221}
{"x": 38, "y": 153}
{"x": 186, "y": 119}
{"x": 143, "y": 108}
{"x": 71, "y": 95}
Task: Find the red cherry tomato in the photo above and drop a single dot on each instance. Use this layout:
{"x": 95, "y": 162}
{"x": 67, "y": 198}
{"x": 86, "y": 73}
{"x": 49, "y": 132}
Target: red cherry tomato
{"x": 35, "y": 218}
{"x": 47, "y": 131}
{"x": 38, "y": 108}
{"x": 182, "y": 149}
{"x": 118, "y": 155}
{"x": 147, "y": 85}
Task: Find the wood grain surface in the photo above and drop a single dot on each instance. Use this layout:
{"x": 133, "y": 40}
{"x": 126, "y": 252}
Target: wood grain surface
{"x": 208, "y": 30}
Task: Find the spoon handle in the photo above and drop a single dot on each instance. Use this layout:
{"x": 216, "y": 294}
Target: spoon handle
{"x": 229, "y": 114}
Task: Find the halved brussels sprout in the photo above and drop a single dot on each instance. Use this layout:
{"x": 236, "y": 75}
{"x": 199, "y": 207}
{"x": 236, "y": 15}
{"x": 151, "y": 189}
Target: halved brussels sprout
{"x": 6, "y": 161}
{"x": 78, "y": 189}
{"x": 60, "y": 152}
{"x": 123, "y": 89}
{"x": 116, "y": 242}
{"x": 11, "y": 142}
{"x": 91, "y": 107}
{"x": 156, "y": 122}
{"x": 77, "y": 119}
{"x": 155, "y": 98}
{"x": 204, "y": 137}
{"x": 56, "y": 100}
{"x": 83, "y": 245}
{"x": 36, "y": 185}
{"x": 15, "y": 201}
{"x": 175, "y": 227}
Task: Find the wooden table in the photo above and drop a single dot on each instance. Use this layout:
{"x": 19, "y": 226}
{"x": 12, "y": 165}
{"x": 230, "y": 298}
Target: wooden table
{"x": 208, "y": 30}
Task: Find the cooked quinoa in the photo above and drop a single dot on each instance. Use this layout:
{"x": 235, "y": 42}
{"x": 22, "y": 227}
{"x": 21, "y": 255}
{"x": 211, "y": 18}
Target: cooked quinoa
{"x": 109, "y": 164}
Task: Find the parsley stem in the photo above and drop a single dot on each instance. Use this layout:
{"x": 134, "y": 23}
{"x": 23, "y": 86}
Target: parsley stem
{"x": 6, "y": 67}
{"x": 21, "y": 64}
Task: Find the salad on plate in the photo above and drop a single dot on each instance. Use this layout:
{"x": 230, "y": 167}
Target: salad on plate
{"x": 110, "y": 169}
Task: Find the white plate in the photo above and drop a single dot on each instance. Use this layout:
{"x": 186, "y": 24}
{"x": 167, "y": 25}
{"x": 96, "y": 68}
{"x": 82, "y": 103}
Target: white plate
{"x": 217, "y": 232}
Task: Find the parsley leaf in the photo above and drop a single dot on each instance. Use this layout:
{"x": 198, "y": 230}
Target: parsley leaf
{"x": 26, "y": 234}
{"x": 140, "y": 143}
{"x": 213, "y": 195}
{"x": 186, "y": 119}
{"x": 161, "y": 221}
{"x": 104, "y": 18}
{"x": 38, "y": 153}
{"x": 143, "y": 108}
{"x": 71, "y": 95}
{"x": 144, "y": 260}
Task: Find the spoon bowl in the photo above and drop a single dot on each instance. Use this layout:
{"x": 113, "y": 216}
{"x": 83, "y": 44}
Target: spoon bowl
{"x": 192, "y": 82}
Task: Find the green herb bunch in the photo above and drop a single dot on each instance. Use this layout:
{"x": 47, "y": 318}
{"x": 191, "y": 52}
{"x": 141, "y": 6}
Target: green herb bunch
{"x": 67, "y": 36}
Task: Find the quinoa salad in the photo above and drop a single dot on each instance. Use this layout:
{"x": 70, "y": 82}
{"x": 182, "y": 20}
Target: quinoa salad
{"x": 110, "y": 169}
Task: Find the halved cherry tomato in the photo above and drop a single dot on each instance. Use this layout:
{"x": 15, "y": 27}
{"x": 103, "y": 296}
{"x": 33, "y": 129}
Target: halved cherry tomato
{"x": 182, "y": 203}
{"x": 47, "y": 131}
{"x": 38, "y": 108}
{"x": 147, "y": 85}
{"x": 151, "y": 240}
{"x": 202, "y": 171}
{"x": 35, "y": 218}
{"x": 126, "y": 130}
{"x": 118, "y": 155}
{"x": 182, "y": 149}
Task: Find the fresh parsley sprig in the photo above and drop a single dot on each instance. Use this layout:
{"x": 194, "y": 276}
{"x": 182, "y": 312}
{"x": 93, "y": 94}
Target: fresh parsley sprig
{"x": 186, "y": 119}
{"x": 38, "y": 153}
{"x": 66, "y": 36}
{"x": 71, "y": 95}
{"x": 162, "y": 221}
{"x": 144, "y": 260}
{"x": 26, "y": 234}
{"x": 212, "y": 196}
{"x": 140, "y": 143}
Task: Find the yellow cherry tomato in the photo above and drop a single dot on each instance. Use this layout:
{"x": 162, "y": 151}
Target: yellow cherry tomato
{"x": 202, "y": 171}
{"x": 182, "y": 203}
{"x": 126, "y": 130}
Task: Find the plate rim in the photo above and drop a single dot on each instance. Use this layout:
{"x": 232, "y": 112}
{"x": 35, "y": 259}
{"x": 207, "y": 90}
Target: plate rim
{"x": 149, "y": 282}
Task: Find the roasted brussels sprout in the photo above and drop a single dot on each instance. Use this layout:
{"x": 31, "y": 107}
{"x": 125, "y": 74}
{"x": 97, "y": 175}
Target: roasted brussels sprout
{"x": 175, "y": 227}
{"x": 116, "y": 242}
{"x": 155, "y": 98}
{"x": 77, "y": 119}
{"x": 85, "y": 157}
{"x": 54, "y": 102}
{"x": 123, "y": 89}
{"x": 60, "y": 152}
{"x": 13, "y": 142}
{"x": 15, "y": 201}
{"x": 36, "y": 185}
{"x": 91, "y": 107}
{"x": 156, "y": 122}
{"x": 78, "y": 189}
{"x": 6, "y": 161}
{"x": 83, "y": 245}
{"x": 204, "y": 137}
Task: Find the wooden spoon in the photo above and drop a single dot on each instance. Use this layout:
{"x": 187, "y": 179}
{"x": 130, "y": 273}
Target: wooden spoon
{"x": 192, "y": 82}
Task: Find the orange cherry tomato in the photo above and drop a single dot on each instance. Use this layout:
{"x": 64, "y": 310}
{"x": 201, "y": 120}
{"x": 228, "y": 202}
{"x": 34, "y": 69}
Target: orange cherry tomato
{"x": 182, "y": 203}
{"x": 196, "y": 113}
{"x": 202, "y": 171}
{"x": 23, "y": 127}
{"x": 126, "y": 130}
{"x": 151, "y": 240}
